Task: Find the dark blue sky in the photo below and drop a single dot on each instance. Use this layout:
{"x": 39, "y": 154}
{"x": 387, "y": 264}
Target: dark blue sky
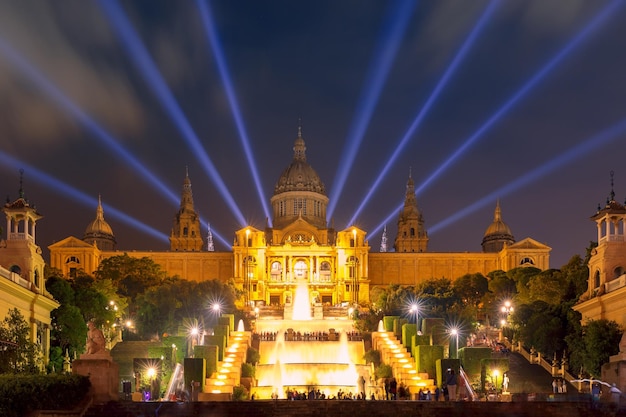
{"x": 318, "y": 61}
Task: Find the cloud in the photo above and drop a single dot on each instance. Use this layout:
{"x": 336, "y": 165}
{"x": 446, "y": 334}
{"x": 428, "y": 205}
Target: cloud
{"x": 69, "y": 43}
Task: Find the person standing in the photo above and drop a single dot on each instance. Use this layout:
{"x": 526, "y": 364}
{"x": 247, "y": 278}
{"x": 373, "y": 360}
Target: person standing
{"x": 393, "y": 389}
{"x": 451, "y": 384}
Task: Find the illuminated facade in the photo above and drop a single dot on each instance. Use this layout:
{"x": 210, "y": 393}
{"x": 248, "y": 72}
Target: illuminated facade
{"x": 22, "y": 285}
{"x": 301, "y": 247}
{"x": 606, "y": 292}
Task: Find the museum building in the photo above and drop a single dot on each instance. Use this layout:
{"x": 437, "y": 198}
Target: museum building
{"x": 300, "y": 246}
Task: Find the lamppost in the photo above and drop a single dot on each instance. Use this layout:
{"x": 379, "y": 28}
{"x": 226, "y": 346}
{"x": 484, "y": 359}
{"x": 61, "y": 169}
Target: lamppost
{"x": 507, "y": 308}
{"x": 495, "y": 377}
{"x": 455, "y": 332}
{"x": 354, "y": 291}
{"x": 415, "y": 311}
{"x": 246, "y": 263}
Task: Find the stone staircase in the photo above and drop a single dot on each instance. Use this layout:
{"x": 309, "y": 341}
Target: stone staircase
{"x": 394, "y": 354}
{"x": 219, "y": 386}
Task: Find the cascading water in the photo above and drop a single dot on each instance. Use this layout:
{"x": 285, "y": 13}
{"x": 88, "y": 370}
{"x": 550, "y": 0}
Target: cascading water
{"x": 302, "y": 302}
{"x": 306, "y": 354}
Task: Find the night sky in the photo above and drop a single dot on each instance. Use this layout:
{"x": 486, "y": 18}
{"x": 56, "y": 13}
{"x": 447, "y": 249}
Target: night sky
{"x": 521, "y": 101}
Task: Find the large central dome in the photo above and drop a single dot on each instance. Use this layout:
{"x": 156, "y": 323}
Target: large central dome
{"x": 299, "y": 192}
{"x": 299, "y": 175}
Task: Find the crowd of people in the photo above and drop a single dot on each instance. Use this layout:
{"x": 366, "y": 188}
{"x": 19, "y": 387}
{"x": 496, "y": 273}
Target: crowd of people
{"x": 317, "y": 336}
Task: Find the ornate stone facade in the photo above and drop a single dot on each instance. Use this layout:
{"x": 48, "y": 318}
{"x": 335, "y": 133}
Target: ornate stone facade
{"x": 22, "y": 283}
{"x": 301, "y": 246}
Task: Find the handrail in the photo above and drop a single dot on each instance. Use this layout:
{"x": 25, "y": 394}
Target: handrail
{"x": 468, "y": 386}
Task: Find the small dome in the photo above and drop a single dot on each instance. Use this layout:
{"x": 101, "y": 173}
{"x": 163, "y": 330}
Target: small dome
{"x": 497, "y": 234}
{"x": 98, "y": 227}
{"x": 99, "y": 232}
{"x": 498, "y": 227}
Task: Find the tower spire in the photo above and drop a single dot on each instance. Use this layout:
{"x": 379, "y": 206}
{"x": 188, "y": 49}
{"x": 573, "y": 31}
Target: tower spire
{"x": 21, "y": 190}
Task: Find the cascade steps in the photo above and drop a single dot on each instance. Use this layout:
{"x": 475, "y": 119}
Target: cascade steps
{"x": 402, "y": 363}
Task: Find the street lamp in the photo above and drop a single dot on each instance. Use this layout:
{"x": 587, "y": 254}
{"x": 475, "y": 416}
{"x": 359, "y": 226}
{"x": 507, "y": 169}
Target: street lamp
{"x": 507, "y": 308}
{"x": 495, "y": 376}
{"x": 246, "y": 280}
{"x": 416, "y": 311}
{"x": 455, "y": 332}
{"x": 355, "y": 297}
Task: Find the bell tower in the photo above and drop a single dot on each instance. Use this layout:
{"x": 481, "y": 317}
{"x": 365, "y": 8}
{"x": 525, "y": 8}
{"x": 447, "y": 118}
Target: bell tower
{"x": 185, "y": 236}
{"x": 20, "y": 253}
{"x": 607, "y": 259}
{"x": 411, "y": 237}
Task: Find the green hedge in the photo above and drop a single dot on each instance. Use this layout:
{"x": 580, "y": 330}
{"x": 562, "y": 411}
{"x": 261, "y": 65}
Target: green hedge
{"x": 21, "y": 394}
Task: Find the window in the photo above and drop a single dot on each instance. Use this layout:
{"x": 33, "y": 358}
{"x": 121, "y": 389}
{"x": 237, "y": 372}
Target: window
{"x": 299, "y": 206}
{"x": 276, "y": 271}
{"x": 300, "y": 270}
{"x": 72, "y": 259}
{"x": 325, "y": 271}
{"x": 618, "y": 272}
{"x": 527, "y": 261}
{"x": 16, "y": 269}
{"x": 596, "y": 279}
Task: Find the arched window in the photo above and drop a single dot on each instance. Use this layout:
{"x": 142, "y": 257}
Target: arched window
{"x": 325, "y": 271}
{"x": 300, "y": 270}
{"x": 618, "y": 272}
{"x": 276, "y": 271}
{"x": 596, "y": 279}
{"x": 36, "y": 278}
{"x": 16, "y": 269}
{"x": 72, "y": 259}
{"x": 527, "y": 261}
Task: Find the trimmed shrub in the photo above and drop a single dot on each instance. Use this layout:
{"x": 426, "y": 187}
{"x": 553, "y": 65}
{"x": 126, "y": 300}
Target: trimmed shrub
{"x": 21, "y": 394}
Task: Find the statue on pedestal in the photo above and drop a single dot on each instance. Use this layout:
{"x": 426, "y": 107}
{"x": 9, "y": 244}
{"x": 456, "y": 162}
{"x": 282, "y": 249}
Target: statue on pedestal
{"x": 95, "y": 339}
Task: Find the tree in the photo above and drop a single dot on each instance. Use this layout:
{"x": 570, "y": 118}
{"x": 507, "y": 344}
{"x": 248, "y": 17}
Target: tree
{"x": 438, "y": 297}
{"x": 22, "y": 355}
{"x": 522, "y": 276}
{"x": 162, "y": 308}
{"x": 597, "y": 342}
{"x": 132, "y": 276}
{"x": 576, "y": 274}
{"x": 471, "y": 288}
{"x": 549, "y": 286}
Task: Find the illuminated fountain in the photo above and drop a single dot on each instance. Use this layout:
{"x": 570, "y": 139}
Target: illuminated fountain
{"x": 308, "y": 353}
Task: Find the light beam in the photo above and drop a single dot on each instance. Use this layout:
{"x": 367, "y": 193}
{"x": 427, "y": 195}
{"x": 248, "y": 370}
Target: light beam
{"x": 393, "y": 29}
{"x": 582, "y": 149}
{"x": 429, "y": 103}
{"x": 599, "y": 18}
{"x": 64, "y": 103}
{"x": 79, "y": 196}
{"x": 207, "y": 20}
{"x": 141, "y": 58}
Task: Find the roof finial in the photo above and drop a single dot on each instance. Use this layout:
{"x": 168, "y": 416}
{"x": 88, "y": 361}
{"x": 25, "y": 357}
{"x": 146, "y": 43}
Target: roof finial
{"x": 187, "y": 171}
{"x": 410, "y": 172}
{"x": 299, "y": 127}
{"x": 21, "y": 191}
{"x": 612, "y": 191}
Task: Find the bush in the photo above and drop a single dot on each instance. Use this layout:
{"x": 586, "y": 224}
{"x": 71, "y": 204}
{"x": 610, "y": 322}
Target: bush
{"x": 252, "y": 355}
{"x": 240, "y": 393}
{"x": 383, "y": 371}
{"x": 247, "y": 370}
{"x": 21, "y": 394}
{"x": 372, "y": 356}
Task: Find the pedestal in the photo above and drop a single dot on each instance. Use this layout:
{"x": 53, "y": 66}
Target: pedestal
{"x": 103, "y": 374}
